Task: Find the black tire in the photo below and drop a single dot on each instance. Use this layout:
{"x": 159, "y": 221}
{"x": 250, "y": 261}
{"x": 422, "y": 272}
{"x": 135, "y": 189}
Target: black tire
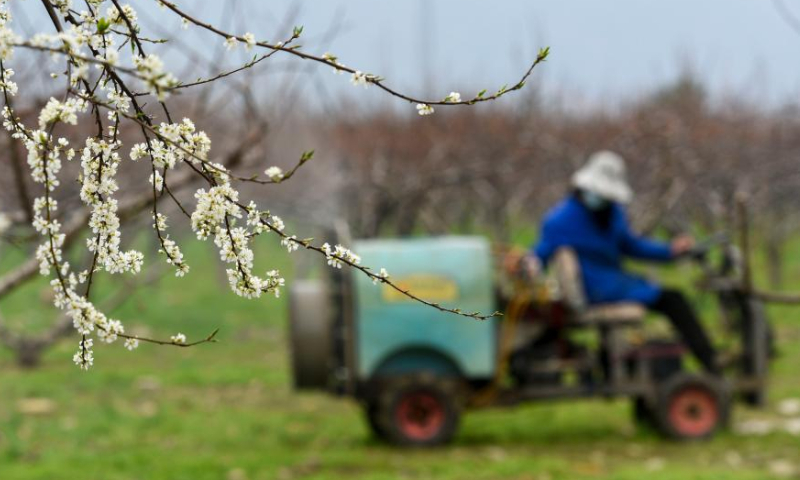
{"x": 419, "y": 410}
{"x": 643, "y": 414}
{"x": 371, "y": 414}
{"x": 692, "y": 407}
{"x": 756, "y": 399}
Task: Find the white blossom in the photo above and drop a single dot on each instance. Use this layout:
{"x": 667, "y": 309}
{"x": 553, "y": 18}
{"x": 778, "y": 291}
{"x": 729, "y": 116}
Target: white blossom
{"x": 382, "y": 275}
{"x": 249, "y": 40}
{"x": 157, "y": 180}
{"x": 84, "y": 358}
{"x": 138, "y": 151}
{"x": 274, "y": 173}
{"x": 151, "y": 70}
{"x": 110, "y": 330}
{"x": 359, "y": 78}
{"x": 274, "y": 282}
{"x": 335, "y": 61}
{"x": 424, "y": 109}
{"x": 6, "y": 84}
{"x": 276, "y": 223}
{"x": 290, "y": 243}
{"x": 178, "y": 338}
{"x": 119, "y": 101}
{"x": 7, "y": 36}
{"x": 58, "y": 111}
{"x": 453, "y": 97}
{"x": 113, "y": 15}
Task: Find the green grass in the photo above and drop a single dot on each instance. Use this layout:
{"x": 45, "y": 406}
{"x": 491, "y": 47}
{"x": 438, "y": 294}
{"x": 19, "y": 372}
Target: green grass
{"x": 227, "y": 411}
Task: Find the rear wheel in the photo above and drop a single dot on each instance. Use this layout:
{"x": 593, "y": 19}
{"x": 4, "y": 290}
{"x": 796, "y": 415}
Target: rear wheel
{"x": 692, "y": 407}
{"x": 419, "y": 410}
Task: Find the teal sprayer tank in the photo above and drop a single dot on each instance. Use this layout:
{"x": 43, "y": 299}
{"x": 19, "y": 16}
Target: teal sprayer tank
{"x": 395, "y": 335}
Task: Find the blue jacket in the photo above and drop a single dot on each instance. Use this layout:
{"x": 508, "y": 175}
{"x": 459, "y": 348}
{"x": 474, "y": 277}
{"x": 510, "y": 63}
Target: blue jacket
{"x": 600, "y": 252}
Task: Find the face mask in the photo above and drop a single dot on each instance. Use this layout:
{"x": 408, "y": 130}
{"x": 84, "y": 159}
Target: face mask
{"x": 594, "y": 201}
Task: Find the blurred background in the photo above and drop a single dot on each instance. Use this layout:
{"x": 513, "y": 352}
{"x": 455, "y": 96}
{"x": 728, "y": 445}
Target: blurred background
{"x": 701, "y": 98}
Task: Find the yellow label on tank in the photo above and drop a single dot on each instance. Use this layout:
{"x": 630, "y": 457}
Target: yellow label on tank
{"x": 434, "y": 288}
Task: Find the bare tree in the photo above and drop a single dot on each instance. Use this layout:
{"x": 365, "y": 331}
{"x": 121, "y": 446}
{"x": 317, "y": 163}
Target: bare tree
{"x": 689, "y": 156}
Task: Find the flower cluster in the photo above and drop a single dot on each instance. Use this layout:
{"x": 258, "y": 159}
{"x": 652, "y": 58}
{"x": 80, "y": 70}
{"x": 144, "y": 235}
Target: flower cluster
{"x": 157, "y": 81}
{"x": 7, "y": 36}
{"x": 58, "y": 111}
{"x": 177, "y": 142}
{"x": 235, "y": 250}
{"x": 216, "y": 213}
{"x": 168, "y": 246}
{"x": 214, "y": 207}
{"x": 6, "y": 84}
{"x": 339, "y": 255}
{"x": 99, "y": 163}
{"x": 290, "y": 243}
{"x": 84, "y": 358}
{"x": 116, "y": 18}
{"x": 120, "y": 104}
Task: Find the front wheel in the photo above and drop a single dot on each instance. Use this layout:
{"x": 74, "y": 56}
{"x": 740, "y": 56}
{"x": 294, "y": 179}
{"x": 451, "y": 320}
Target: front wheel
{"x": 419, "y": 409}
{"x": 691, "y": 407}
{"x": 371, "y": 414}
{"x": 643, "y": 414}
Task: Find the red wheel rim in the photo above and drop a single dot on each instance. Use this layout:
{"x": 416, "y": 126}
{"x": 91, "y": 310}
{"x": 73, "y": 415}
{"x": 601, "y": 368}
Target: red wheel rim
{"x": 420, "y": 416}
{"x": 693, "y": 412}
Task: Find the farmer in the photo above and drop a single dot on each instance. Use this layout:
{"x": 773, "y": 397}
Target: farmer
{"x": 592, "y": 222}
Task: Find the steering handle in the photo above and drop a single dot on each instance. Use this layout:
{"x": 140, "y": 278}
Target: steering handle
{"x": 702, "y": 248}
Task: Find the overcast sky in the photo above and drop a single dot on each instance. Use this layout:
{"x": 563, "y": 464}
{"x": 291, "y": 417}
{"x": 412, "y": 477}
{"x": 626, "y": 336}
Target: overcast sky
{"x": 602, "y": 51}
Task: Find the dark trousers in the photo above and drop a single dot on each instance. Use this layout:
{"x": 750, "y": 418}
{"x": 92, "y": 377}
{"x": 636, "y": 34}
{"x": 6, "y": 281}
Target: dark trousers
{"x": 674, "y": 306}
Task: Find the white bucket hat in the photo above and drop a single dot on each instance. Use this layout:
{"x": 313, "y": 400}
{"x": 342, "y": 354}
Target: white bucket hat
{"x": 604, "y": 174}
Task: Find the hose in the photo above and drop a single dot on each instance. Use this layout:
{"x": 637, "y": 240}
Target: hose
{"x": 516, "y": 307}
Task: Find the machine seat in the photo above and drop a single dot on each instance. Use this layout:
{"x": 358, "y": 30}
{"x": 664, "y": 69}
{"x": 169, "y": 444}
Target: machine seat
{"x": 612, "y": 314}
{"x": 570, "y": 285}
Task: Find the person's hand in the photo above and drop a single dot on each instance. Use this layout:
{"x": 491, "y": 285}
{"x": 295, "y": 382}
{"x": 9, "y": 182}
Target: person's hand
{"x": 531, "y": 267}
{"x": 518, "y": 263}
{"x": 512, "y": 261}
{"x": 681, "y": 245}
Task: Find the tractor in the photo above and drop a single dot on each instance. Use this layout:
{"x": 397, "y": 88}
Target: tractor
{"x": 416, "y": 370}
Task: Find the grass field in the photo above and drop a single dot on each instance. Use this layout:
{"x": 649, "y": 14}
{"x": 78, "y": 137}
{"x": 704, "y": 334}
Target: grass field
{"x": 227, "y": 411}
